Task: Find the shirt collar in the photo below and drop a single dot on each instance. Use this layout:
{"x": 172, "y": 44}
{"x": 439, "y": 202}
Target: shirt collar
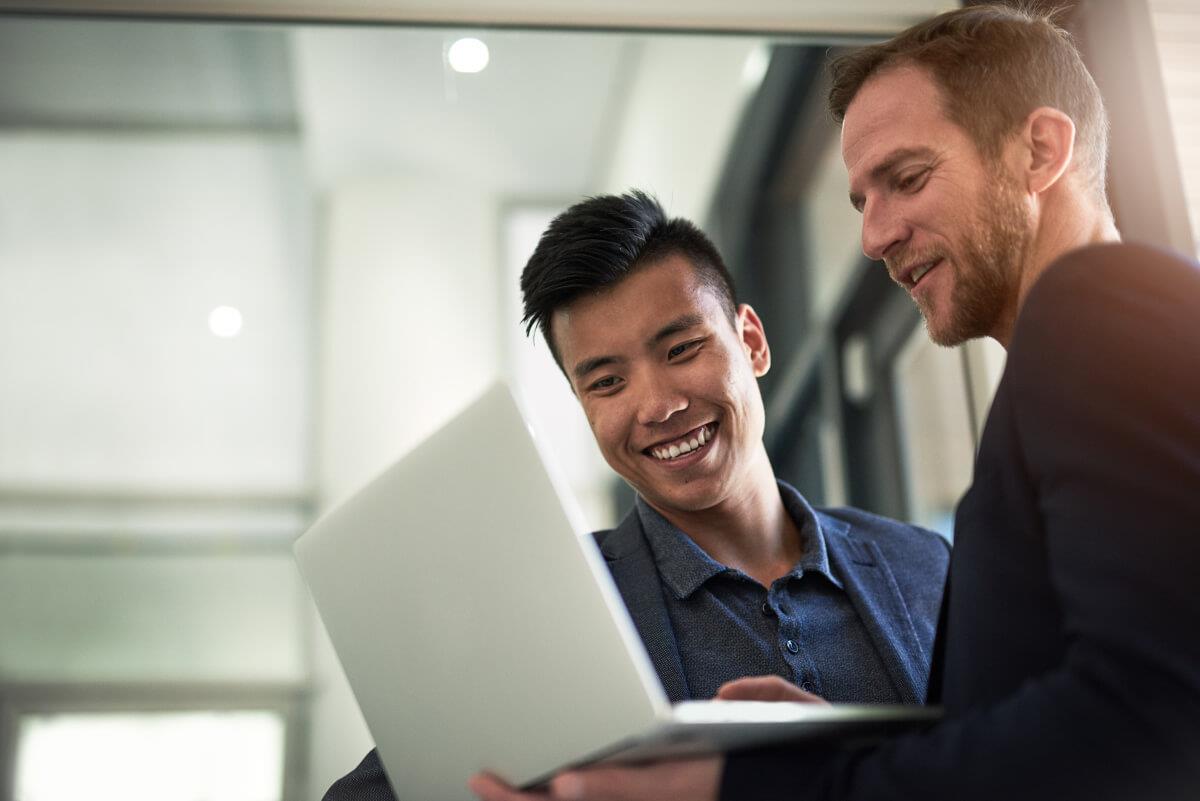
{"x": 684, "y": 566}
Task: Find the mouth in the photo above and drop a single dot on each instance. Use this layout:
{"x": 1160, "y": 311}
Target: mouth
{"x": 687, "y": 447}
{"x": 911, "y": 276}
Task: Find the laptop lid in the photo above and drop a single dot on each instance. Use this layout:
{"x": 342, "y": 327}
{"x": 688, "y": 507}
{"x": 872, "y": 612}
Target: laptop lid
{"x": 473, "y": 614}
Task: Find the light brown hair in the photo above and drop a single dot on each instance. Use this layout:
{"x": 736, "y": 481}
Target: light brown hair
{"x": 994, "y": 65}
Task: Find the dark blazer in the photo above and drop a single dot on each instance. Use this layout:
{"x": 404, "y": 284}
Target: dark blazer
{"x": 893, "y": 573}
{"x": 1068, "y": 659}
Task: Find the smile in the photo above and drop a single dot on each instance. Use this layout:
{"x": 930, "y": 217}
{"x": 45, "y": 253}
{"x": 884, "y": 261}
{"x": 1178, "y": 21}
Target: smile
{"x": 919, "y": 272}
{"x": 693, "y": 441}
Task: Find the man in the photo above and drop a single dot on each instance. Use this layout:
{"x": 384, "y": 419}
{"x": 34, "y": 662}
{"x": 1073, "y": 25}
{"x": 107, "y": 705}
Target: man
{"x": 726, "y": 572}
{"x": 1068, "y": 657}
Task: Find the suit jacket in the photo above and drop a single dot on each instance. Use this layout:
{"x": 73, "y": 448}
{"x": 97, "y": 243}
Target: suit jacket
{"x": 892, "y": 572}
{"x": 1068, "y": 658}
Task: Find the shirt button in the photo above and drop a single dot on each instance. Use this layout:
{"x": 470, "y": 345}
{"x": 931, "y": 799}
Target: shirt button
{"x": 808, "y": 687}
{"x": 792, "y": 647}
{"x": 767, "y": 610}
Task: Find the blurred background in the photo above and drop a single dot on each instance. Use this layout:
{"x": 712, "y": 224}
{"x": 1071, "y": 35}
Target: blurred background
{"x": 250, "y": 255}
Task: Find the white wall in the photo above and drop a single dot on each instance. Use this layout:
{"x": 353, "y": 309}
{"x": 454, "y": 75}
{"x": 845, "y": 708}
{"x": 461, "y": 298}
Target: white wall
{"x": 681, "y": 112}
{"x": 409, "y": 310}
{"x": 114, "y": 249}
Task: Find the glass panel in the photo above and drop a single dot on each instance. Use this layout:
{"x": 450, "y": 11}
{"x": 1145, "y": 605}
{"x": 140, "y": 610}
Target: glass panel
{"x": 935, "y": 430}
{"x": 192, "y": 756}
{"x": 1176, "y": 32}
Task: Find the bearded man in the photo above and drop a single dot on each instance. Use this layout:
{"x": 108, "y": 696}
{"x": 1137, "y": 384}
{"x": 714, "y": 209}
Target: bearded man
{"x": 1067, "y": 658}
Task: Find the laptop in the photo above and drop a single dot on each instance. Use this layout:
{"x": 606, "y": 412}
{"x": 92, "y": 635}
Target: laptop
{"x": 480, "y": 629}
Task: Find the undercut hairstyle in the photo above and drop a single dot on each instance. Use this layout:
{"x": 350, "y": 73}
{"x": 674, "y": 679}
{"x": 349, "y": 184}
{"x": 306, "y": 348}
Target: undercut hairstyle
{"x": 994, "y": 64}
{"x": 601, "y": 241}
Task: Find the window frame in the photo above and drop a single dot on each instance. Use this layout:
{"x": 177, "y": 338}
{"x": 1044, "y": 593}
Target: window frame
{"x": 20, "y": 699}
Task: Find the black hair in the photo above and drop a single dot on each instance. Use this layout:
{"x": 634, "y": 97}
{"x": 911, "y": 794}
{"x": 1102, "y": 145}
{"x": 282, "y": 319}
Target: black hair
{"x": 599, "y": 242}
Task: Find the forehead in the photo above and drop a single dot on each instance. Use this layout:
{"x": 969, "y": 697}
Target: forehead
{"x": 899, "y": 108}
{"x": 620, "y": 318}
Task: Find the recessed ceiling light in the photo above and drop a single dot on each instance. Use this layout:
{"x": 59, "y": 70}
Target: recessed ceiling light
{"x": 468, "y": 55}
{"x": 225, "y": 321}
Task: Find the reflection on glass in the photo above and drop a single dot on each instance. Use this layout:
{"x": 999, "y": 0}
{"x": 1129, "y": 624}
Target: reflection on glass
{"x": 362, "y": 204}
{"x": 935, "y": 430}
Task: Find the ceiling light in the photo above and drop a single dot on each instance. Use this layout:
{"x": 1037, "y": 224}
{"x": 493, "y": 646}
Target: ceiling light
{"x": 468, "y": 55}
{"x": 225, "y": 321}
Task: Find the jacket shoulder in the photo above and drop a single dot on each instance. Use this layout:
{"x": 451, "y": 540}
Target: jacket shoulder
{"x": 915, "y": 553}
{"x": 367, "y": 782}
{"x": 886, "y": 531}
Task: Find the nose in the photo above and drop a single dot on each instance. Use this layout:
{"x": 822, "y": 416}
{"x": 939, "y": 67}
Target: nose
{"x": 659, "y": 400}
{"x": 882, "y": 229}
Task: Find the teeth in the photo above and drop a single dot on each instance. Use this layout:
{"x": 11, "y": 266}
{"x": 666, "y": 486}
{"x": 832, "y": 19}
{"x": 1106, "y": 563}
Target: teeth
{"x": 686, "y": 446}
{"x": 917, "y": 274}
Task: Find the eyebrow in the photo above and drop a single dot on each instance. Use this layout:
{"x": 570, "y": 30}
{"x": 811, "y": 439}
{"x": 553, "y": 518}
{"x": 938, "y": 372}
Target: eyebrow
{"x": 887, "y": 166}
{"x": 588, "y": 365}
{"x": 676, "y": 326}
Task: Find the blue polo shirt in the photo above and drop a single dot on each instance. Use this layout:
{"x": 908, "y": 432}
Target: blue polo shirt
{"x": 803, "y": 627}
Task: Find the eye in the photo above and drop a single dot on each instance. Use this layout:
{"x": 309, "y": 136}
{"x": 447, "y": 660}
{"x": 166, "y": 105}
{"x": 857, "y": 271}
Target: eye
{"x": 604, "y": 384}
{"x": 912, "y": 181}
{"x": 682, "y": 348}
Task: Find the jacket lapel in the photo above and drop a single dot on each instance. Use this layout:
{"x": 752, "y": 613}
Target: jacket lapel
{"x": 873, "y": 592}
{"x": 632, "y": 566}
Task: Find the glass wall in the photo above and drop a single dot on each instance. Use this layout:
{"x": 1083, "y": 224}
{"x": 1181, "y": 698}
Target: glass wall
{"x": 1176, "y": 25}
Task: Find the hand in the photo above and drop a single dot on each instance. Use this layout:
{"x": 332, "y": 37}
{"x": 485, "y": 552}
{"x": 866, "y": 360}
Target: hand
{"x": 766, "y": 688}
{"x": 686, "y": 780}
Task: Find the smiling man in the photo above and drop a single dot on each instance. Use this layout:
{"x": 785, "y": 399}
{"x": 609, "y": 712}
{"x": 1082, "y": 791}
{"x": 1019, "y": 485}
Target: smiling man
{"x": 1068, "y": 660}
{"x": 726, "y": 572}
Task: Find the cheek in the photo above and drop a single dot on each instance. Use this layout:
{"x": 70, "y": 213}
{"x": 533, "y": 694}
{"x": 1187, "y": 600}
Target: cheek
{"x": 606, "y": 428}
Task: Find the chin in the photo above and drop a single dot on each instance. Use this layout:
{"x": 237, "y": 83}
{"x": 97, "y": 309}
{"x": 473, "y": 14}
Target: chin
{"x": 941, "y": 331}
{"x": 694, "y": 496}
{"x": 943, "y": 336}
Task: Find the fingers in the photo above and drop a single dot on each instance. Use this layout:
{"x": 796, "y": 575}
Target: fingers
{"x": 687, "y": 780}
{"x": 488, "y": 788}
{"x": 766, "y": 688}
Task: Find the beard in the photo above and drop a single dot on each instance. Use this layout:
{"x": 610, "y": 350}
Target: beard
{"x": 987, "y": 268}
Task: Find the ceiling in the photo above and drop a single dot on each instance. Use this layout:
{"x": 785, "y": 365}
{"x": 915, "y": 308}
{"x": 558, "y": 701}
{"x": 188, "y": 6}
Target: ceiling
{"x": 536, "y": 122}
{"x": 820, "y": 17}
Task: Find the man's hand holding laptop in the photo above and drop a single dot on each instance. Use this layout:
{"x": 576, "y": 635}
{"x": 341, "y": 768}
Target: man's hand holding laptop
{"x": 680, "y": 780}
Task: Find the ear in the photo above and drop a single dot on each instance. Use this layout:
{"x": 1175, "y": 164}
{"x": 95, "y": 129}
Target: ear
{"x": 1048, "y": 145}
{"x": 754, "y": 340}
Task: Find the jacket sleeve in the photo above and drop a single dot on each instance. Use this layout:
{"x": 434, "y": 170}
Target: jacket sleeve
{"x": 1104, "y": 374}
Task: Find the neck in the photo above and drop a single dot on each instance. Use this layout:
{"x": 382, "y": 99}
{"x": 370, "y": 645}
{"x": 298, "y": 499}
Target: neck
{"x": 1067, "y": 220}
{"x": 750, "y": 529}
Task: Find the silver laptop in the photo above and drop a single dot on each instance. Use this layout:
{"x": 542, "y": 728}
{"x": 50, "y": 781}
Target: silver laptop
{"x": 480, "y": 629}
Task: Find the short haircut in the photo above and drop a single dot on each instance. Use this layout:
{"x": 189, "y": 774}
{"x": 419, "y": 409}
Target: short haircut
{"x": 994, "y": 65}
{"x": 599, "y": 242}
